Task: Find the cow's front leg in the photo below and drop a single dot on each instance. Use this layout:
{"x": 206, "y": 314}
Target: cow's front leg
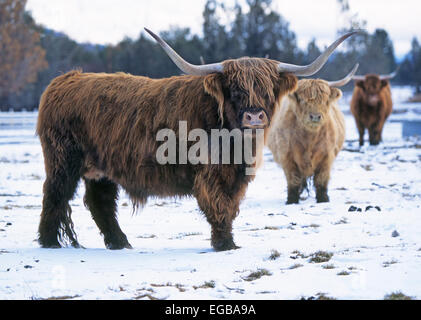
{"x": 321, "y": 180}
{"x": 221, "y": 237}
{"x": 219, "y": 200}
{"x": 375, "y": 132}
{"x": 220, "y": 212}
{"x": 361, "y": 130}
{"x": 296, "y": 183}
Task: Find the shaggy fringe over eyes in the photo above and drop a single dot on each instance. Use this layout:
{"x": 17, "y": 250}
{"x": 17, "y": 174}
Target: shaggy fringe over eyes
{"x": 314, "y": 91}
{"x": 256, "y": 76}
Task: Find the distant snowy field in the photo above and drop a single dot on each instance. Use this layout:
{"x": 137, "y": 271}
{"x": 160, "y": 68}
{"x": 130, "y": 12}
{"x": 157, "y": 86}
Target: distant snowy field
{"x": 368, "y": 253}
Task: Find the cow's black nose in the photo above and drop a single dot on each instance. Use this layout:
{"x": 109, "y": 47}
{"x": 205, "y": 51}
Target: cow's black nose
{"x": 255, "y": 119}
{"x": 315, "y": 117}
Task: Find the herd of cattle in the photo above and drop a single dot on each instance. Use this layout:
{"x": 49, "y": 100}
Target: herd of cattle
{"x": 102, "y": 128}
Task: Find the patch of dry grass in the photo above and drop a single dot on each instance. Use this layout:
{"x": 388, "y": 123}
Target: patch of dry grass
{"x": 320, "y": 256}
{"x": 274, "y": 255}
{"x": 206, "y": 285}
{"x": 257, "y": 275}
{"x": 397, "y": 296}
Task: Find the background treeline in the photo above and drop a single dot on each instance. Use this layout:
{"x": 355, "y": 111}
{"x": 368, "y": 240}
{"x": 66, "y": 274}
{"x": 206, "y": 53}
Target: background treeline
{"x": 31, "y": 55}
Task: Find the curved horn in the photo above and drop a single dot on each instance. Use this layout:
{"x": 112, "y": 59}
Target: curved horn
{"x": 344, "y": 81}
{"x": 312, "y": 68}
{"x": 358, "y": 78}
{"x": 184, "y": 65}
{"x": 389, "y": 76}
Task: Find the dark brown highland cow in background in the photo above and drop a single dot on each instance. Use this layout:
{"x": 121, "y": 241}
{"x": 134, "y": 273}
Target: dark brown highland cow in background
{"x": 103, "y": 127}
{"x": 371, "y": 105}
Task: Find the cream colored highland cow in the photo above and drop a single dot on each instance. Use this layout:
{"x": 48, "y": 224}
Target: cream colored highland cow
{"x": 307, "y": 134}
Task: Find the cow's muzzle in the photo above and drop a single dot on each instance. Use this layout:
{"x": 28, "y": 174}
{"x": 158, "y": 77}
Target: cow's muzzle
{"x": 254, "y": 120}
{"x": 315, "y": 117}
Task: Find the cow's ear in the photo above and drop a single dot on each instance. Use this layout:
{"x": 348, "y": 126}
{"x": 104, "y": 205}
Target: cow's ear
{"x": 384, "y": 83}
{"x": 335, "y": 94}
{"x": 288, "y": 83}
{"x": 360, "y": 84}
{"x": 294, "y": 96}
{"x": 213, "y": 86}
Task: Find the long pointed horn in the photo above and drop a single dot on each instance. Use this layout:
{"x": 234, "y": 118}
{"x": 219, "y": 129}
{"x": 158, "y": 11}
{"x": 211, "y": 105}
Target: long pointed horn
{"x": 344, "y": 81}
{"x": 389, "y": 76}
{"x": 184, "y": 65}
{"x": 312, "y": 68}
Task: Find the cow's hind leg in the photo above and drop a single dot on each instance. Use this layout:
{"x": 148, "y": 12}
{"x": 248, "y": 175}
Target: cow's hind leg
{"x": 101, "y": 199}
{"x": 63, "y": 165}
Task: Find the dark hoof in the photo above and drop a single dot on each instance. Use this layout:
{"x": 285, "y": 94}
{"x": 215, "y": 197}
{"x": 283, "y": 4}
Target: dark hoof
{"x": 49, "y": 244}
{"x": 53, "y": 246}
{"x": 118, "y": 246}
{"x": 323, "y": 200}
{"x": 292, "y": 202}
{"x": 224, "y": 245}
{"x": 76, "y": 245}
{"x": 117, "y": 242}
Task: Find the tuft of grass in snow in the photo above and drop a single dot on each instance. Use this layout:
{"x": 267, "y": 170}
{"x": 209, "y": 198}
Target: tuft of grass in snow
{"x": 367, "y": 167}
{"x": 271, "y": 228}
{"x": 274, "y": 255}
{"x": 59, "y": 298}
{"x": 169, "y": 284}
{"x": 298, "y": 255}
{"x": 206, "y": 285}
{"x": 146, "y": 236}
{"x": 389, "y": 263}
{"x": 320, "y": 256}
{"x": 185, "y": 234}
{"x": 343, "y": 273}
{"x": 296, "y": 266}
{"x": 146, "y": 295}
{"x": 257, "y": 275}
{"x": 342, "y": 221}
{"x": 313, "y": 225}
{"x": 323, "y": 296}
{"x": 34, "y": 176}
{"x": 319, "y": 296}
{"x": 328, "y": 266}
{"x": 397, "y": 296}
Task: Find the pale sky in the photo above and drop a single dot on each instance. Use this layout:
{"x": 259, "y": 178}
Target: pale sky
{"x": 109, "y": 21}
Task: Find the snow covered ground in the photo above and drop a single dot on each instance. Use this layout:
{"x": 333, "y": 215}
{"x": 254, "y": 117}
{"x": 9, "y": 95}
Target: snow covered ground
{"x": 287, "y": 252}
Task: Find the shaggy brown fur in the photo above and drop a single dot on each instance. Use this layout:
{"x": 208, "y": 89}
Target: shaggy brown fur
{"x": 303, "y": 147}
{"x": 103, "y": 127}
{"x": 371, "y": 105}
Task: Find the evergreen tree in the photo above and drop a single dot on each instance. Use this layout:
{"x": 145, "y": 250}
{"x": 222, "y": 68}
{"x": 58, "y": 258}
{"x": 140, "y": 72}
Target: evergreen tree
{"x": 410, "y": 71}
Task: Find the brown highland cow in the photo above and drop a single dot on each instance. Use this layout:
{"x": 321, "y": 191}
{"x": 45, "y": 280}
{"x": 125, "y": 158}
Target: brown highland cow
{"x": 371, "y": 105}
{"x": 103, "y": 128}
{"x": 307, "y": 135}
